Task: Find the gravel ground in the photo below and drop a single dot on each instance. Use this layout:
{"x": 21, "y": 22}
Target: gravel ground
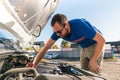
{"x": 111, "y": 68}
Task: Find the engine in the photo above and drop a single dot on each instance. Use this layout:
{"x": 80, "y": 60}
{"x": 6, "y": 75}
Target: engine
{"x": 14, "y": 60}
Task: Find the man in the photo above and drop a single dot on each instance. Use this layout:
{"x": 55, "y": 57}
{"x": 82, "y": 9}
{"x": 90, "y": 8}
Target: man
{"x": 81, "y": 32}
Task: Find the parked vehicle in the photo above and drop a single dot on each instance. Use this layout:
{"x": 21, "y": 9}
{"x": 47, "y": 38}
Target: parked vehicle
{"x": 51, "y": 55}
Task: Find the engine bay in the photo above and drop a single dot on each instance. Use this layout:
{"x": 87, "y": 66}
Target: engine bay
{"x": 14, "y": 67}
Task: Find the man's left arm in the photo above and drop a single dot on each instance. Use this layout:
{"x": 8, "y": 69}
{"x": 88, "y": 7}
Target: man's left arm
{"x": 98, "y": 50}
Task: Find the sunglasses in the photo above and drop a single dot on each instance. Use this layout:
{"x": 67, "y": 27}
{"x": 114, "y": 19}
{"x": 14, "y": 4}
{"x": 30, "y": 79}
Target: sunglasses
{"x": 60, "y": 31}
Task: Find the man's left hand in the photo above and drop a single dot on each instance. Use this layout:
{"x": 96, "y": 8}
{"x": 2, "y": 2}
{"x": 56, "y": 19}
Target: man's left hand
{"x": 94, "y": 67}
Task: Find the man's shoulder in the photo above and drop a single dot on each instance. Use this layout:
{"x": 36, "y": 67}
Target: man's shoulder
{"x": 77, "y": 20}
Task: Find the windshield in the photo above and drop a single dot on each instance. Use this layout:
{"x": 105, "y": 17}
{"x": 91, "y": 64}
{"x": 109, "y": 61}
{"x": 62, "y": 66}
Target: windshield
{"x": 7, "y": 41}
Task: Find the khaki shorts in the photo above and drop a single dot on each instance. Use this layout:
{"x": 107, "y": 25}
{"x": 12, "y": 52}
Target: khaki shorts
{"x": 86, "y": 54}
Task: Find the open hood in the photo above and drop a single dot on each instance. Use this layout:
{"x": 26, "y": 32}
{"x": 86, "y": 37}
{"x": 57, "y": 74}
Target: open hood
{"x": 25, "y": 19}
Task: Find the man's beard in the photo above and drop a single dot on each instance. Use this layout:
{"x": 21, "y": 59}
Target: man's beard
{"x": 67, "y": 33}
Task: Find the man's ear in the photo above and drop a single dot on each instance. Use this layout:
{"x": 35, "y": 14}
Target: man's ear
{"x": 67, "y": 25}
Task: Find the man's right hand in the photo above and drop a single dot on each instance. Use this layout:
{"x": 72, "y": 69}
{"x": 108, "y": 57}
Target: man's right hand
{"x": 31, "y": 65}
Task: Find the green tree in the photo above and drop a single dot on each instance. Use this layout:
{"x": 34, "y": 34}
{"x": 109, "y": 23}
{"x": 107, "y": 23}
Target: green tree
{"x": 54, "y": 47}
{"x": 65, "y": 44}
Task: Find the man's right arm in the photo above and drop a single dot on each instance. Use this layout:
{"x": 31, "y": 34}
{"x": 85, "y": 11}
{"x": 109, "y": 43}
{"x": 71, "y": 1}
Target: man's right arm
{"x": 42, "y": 52}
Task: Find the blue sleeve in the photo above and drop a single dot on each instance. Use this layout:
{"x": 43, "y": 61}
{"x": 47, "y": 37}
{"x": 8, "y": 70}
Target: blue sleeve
{"x": 87, "y": 29}
{"x": 54, "y": 36}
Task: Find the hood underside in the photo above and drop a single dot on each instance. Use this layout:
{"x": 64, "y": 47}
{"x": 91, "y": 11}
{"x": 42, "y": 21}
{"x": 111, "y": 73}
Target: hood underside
{"x": 25, "y": 19}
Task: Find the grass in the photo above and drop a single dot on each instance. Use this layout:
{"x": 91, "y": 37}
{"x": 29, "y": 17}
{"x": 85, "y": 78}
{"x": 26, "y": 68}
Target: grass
{"x": 111, "y": 59}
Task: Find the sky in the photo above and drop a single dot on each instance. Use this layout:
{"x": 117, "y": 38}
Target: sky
{"x": 104, "y": 14}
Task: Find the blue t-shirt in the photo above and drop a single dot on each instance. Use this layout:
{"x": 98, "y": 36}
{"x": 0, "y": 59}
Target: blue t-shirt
{"x": 82, "y": 33}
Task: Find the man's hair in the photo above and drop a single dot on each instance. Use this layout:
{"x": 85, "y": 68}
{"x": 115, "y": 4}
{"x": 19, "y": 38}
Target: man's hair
{"x": 60, "y": 18}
